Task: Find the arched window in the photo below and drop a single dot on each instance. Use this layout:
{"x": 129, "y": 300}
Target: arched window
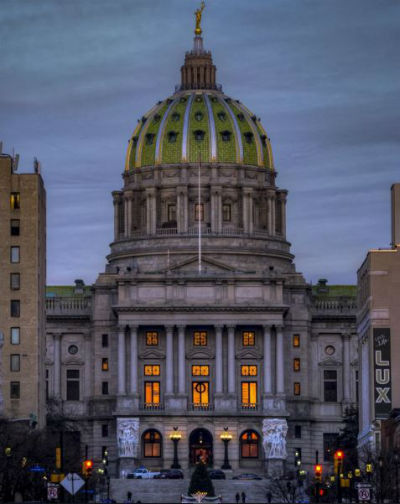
{"x": 152, "y": 442}
{"x": 249, "y": 442}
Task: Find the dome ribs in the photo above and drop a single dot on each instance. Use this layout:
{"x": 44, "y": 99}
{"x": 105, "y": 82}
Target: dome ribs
{"x": 211, "y": 124}
{"x": 161, "y": 132}
{"x": 185, "y": 135}
{"x": 237, "y": 136}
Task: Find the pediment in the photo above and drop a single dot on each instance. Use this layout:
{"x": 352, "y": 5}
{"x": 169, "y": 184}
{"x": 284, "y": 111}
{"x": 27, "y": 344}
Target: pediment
{"x": 330, "y": 362}
{"x": 74, "y": 361}
{"x": 208, "y": 265}
{"x": 152, "y": 354}
{"x": 248, "y": 354}
{"x": 200, "y": 354}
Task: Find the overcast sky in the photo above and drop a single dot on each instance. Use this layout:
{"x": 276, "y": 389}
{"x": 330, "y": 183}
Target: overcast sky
{"x": 323, "y": 75}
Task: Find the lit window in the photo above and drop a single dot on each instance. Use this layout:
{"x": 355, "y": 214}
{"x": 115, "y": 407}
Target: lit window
{"x": 248, "y": 338}
{"x": 72, "y": 384}
{"x": 15, "y": 391}
{"x": 199, "y": 212}
{"x": 152, "y": 370}
{"x": 104, "y": 388}
{"x": 330, "y": 385}
{"x": 15, "y": 281}
{"x": 296, "y": 340}
{"x": 296, "y": 388}
{"x": 15, "y": 308}
{"x": 249, "y": 370}
{"x": 249, "y": 441}
{"x": 152, "y": 393}
{"x": 296, "y": 364}
{"x": 104, "y": 340}
{"x": 226, "y": 213}
{"x": 104, "y": 364}
{"x": 249, "y": 394}
{"x": 200, "y": 338}
{"x": 14, "y": 227}
{"x": 152, "y": 443}
{"x": 200, "y": 393}
{"x": 15, "y": 200}
{"x": 15, "y": 335}
{"x": 14, "y": 254}
{"x": 152, "y": 338}
{"x": 15, "y": 362}
{"x": 200, "y": 370}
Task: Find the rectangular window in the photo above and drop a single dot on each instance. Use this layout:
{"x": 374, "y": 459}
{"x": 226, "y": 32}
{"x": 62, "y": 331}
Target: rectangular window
{"x": 14, "y": 255}
{"x": 152, "y": 370}
{"x": 297, "y": 431}
{"x": 15, "y": 362}
{"x": 296, "y": 388}
{"x": 104, "y": 364}
{"x": 330, "y": 441}
{"x": 296, "y": 364}
{"x": 104, "y": 430}
{"x": 249, "y": 394}
{"x": 200, "y": 371}
{"x": 200, "y": 393}
{"x": 296, "y": 340}
{"x": 72, "y": 384}
{"x": 171, "y": 213}
{"x": 248, "y": 370}
{"x": 199, "y": 212}
{"x": 15, "y": 283}
{"x": 104, "y": 340}
{"x": 47, "y": 384}
{"x": 152, "y": 393}
{"x": 151, "y": 338}
{"x": 226, "y": 213}
{"x": 15, "y": 336}
{"x": 330, "y": 385}
{"x": 15, "y": 200}
{"x": 15, "y": 390}
{"x": 15, "y": 308}
{"x": 14, "y": 227}
{"x": 104, "y": 387}
{"x": 248, "y": 338}
{"x": 200, "y": 338}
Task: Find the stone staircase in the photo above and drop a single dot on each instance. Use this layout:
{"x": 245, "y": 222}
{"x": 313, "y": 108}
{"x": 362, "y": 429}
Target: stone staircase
{"x": 170, "y": 491}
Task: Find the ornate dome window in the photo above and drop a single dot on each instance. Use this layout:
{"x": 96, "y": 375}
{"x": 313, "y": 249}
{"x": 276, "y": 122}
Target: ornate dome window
{"x": 198, "y": 99}
{"x": 226, "y": 135}
{"x": 240, "y": 117}
{"x": 73, "y": 349}
{"x": 199, "y": 135}
{"x": 183, "y": 99}
{"x": 176, "y": 116}
{"x": 222, "y": 116}
{"x": 157, "y": 117}
{"x": 214, "y": 99}
{"x": 264, "y": 139}
{"x": 134, "y": 141}
{"x": 172, "y": 136}
{"x": 248, "y": 137}
{"x": 198, "y": 115}
{"x": 150, "y": 138}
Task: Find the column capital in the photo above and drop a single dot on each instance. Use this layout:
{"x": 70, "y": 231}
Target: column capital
{"x": 169, "y": 328}
{"x": 230, "y": 327}
{"x": 267, "y": 327}
{"x": 219, "y": 327}
{"x": 133, "y": 327}
{"x": 181, "y": 327}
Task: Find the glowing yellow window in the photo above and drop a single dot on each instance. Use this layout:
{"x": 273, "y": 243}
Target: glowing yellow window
{"x": 248, "y": 338}
{"x": 249, "y": 393}
{"x": 249, "y": 370}
{"x": 200, "y": 393}
{"x": 200, "y": 370}
{"x": 104, "y": 364}
{"x": 296, "y": 340}
{"x": 296, "y": 364}
{"x": 200, "y": 338}
{"x": 296, "y": 388}
{"x": 152, "y": 338}
{"x": 151, "y": 393}
{"x": 15, "y": 200}
{"x": 151, "y": 370}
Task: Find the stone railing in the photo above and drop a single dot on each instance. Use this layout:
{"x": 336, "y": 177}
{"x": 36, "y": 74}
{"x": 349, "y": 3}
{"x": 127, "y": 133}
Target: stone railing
{"x": 335, "y": 306}
{"x": 194, "y": 231}
{"x": 72, "y": 306}
{"x": 152, "y": 406}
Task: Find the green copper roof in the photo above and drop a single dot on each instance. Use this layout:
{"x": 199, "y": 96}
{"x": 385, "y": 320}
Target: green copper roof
{"x": 199, "y": 124}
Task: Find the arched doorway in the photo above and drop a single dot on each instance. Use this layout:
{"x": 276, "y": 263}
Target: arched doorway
{"x": 201, "y": 447}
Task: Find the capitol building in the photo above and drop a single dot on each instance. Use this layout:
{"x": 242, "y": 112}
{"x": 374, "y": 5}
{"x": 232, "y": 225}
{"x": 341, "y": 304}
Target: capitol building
{"x": 200, "y": 334}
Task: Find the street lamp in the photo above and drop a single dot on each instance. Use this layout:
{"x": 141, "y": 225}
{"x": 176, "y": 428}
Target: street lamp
{"x": 226, "y": 437}
{"x": 175, "y": 437}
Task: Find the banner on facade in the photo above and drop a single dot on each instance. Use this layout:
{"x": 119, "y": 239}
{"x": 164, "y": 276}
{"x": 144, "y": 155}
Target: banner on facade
{"x": 382, "y": 374}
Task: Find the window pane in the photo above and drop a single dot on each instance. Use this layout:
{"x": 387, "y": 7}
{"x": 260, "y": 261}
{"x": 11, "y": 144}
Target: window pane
{"x": 15, "y": 200}
{"x": 296, "y": 340}
{"x": 248, "y": 338}
{"x": 200, "y": 393}
{"x": 200, "y": 338}
{"x": 73, "y": 373}
{"x": 253, "y": 392}
{"x": 104, "y": 430}
{"x": 296, "y": 388}
{"x": 245, "y": 393}
{"x": 152, "y": 338}
{"x": 14, "y": 227}
{"x": 15, "y": 281}
{"x": 15, "y": 336}
{"x": 296, "y": 364}
{"x": 14, "y": 254}
{"x": 104, "y": 340}
{"x": 15, "y": 308}
{"x": 15, "y": 364}
{"x": 104, "y": 388}
{"x": 72, "y": 390}
{"x": 104, "y": 364}
{"x": 15, "y": 390}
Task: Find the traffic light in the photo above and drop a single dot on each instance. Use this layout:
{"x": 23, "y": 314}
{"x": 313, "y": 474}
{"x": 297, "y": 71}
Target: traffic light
{"x": 297, "y": 458}
{"x": 338, "y": 460}
{"x": 318, "y": 472}
{"x": 87, "y": 468}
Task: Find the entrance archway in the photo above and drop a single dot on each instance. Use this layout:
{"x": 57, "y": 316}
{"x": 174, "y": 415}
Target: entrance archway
{"x": 201, "y": 447}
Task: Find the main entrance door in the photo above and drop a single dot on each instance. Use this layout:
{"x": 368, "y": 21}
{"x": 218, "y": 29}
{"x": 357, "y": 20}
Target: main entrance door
{"x": 201, "y": 447}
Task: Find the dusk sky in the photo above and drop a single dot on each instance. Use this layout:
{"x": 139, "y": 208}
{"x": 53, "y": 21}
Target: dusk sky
{"x": 323, "y": 75}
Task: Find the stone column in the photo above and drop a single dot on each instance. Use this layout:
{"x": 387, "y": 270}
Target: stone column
{"x": 148, "y": 212}
{"x": 231, "y": 360}
{"x": 121, "y": 362}
{"x": 269, "y": 216}
{"x": 273, "y": 214}
{"x": 214, "y": 211}
{"x": 245, "y": 212}
{"x": 218, "y": 360}
{"x": 57, "y": 366}
{"x": 346, "y": 367}
{"x": 88, "y": 366}
{"x": 169, "y": 361}
{"x": 250, "y": 211}
{"x": 134, "y": 361}
{"x": 280, "y": 364}
{"x": 181, "y": 359}
{"x": 116, "y": 201}
{"x": 284, "y": 215}
{"x": 128, "y": 217}
{"x": 267, "y": 361}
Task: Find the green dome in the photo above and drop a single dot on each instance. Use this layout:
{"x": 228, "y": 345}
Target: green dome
{"x": 199, "y": 124}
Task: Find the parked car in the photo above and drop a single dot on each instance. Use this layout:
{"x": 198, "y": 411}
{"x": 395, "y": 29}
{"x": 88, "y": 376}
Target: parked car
{"x": 142, "y": 473}
{"x": 216, "y": 474}
{"x": 163, "y": 474}
{"x": 247, "y": 476}
{"x": 170, "y": 474}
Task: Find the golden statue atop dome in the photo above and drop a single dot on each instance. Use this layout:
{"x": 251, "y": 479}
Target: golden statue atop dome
{"x": 198, "y": 13}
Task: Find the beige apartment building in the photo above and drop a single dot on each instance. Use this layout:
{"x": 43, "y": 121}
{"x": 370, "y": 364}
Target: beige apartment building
{"x": 378, "y": 327}
{"x": 22, "y": 292}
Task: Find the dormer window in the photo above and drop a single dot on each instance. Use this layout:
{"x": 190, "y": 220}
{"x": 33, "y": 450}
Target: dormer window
{"x": 172, "y": 136}
{"x": 198, "y": 115}
{"x": 157, "y": 117}
{"x": 199, "y": 135}
{"x": 226, "y": 136}
{"x": 240, "y": 117}
{"x": 248, "y": 137}
{"x": 134, "y": 141}
{"x": 264, "y": 139}
{"x": 183, "y": 99}
{"x": 222, "y": 116}
{"x": 214, "y": 99}
{"x": 144, "y": 119}
{"x": 198, "y": 99}
{"x": 176, "y": 116}
{"x": 149, "y": 138}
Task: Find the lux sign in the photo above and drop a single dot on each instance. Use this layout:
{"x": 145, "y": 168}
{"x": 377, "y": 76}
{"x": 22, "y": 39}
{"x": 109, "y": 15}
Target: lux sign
{"x": 382, "y": 380}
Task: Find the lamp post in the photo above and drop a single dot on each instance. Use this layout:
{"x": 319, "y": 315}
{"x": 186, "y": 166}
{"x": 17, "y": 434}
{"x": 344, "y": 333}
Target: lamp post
{"x": 175, "y": 438}
{"x": 226, "y": 437}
